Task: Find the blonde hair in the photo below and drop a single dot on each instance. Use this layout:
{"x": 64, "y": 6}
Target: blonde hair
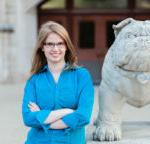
{"x": 39, "y": 59}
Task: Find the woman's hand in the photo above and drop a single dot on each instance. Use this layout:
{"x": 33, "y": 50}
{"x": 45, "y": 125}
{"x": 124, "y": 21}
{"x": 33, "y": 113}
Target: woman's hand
{"x": 57, "y": 114}
{"x": 68, "y": 111}
{"x": 33, "y": 107}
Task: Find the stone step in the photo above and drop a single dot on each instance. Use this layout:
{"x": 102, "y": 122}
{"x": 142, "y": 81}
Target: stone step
{"x": 132, "y": 133}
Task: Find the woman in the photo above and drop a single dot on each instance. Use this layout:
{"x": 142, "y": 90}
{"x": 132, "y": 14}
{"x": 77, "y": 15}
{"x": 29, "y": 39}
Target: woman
{"x": 58, "y": 97}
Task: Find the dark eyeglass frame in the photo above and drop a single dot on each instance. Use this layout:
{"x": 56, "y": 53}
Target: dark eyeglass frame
{"x": 52, "y": 45}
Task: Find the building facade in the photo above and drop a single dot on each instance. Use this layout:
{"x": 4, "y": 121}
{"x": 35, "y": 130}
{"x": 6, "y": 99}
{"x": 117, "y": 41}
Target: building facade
{"x": 89, "y": 23}
{"x": 18, "y": 32}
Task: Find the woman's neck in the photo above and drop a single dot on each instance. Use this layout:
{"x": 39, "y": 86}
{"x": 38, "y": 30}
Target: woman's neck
{"x": 56, "y": 67}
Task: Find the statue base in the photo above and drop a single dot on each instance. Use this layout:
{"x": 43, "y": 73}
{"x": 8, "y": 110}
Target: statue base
{"x": 132, "y": 133}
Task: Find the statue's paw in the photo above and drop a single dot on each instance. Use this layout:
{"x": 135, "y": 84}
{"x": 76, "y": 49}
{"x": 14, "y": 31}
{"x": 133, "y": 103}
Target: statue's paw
{"x": 107, "y": 133}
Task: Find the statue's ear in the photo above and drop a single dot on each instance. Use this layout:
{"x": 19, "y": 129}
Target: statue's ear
{"x": 122, "y": 24}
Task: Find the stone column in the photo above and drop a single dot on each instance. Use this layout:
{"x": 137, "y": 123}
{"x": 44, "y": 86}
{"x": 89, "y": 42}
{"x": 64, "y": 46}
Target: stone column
{"x": 6, "y": 40}
{"x": 18, "y": 32}
{"x": 26, "y": 34}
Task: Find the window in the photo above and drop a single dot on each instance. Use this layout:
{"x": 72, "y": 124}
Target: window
{"x": 86, "y": 34}
{"x": 53, "y": 4}
{"x": 110, "y": 32}
{"x": 101, "y": 4}
{"x": 143, "y": 4}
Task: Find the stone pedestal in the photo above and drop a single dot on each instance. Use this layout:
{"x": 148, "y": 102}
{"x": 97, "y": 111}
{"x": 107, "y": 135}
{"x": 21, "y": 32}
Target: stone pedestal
{"x": 132, "y": 133}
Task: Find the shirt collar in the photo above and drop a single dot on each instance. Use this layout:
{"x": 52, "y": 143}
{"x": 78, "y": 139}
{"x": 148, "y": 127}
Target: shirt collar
{"x": 44, "y": 68}
{"x": 66, "y": 67}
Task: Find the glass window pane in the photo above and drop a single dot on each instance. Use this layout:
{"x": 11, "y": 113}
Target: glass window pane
{"x": 86, "y": 34}
{"x": 53, "y": 4}
{"x": 101, "y": 4}
{"x": 110, "y": 32}
{"x": 143, "y": 4}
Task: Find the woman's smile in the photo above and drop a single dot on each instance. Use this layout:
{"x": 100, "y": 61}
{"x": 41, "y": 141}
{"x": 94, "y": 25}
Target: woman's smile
{"x": 55, "y": 54}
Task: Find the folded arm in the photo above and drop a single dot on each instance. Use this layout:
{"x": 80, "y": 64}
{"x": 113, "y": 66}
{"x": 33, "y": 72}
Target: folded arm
{"x": 30, "y": 116}
{"x": 57, "y": 114}
{"x": 33, "y": 116}
{"x": 81, "y": 116}
{"x": 54, "y": 118}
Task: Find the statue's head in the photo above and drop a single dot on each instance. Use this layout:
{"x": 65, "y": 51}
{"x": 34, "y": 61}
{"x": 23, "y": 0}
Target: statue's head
{"x": 131, "y": 48}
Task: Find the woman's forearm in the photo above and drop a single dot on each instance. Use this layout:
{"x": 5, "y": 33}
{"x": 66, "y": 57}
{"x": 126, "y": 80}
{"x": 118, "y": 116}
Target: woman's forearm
{"x": 59, "y": 124}
{"x": 56, "y": 115}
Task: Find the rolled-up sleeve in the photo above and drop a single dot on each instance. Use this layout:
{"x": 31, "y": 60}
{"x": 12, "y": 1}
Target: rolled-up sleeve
{"x": 81, "y": 116}
{"x": 33, "y": 119}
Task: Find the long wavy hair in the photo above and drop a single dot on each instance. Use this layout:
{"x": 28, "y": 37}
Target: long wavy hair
{"x": 39, "y": 59}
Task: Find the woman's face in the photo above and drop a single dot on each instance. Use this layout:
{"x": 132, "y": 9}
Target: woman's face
{"x": 54, "y": 48}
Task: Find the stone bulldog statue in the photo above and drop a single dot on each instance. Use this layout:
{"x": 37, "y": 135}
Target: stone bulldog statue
{"x": 125, "y": 77}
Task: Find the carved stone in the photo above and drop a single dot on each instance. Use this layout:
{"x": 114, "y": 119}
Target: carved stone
{"x": 125, "y": 77}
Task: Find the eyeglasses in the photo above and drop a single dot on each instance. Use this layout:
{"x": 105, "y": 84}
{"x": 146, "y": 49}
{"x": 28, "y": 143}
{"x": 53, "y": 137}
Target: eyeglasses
{"x": 51, "y": 45}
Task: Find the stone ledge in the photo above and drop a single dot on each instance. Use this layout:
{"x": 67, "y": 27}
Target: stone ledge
{"x": 133, "y": 133}
{"x": 138, "y": 141}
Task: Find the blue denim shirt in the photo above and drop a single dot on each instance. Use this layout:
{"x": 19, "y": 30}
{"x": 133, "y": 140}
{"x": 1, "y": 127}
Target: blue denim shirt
{"x": 73, "y": 90}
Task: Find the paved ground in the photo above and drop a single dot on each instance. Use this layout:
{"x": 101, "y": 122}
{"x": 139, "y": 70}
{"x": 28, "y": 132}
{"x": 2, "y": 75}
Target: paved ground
{"x": 12, "y": 130}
